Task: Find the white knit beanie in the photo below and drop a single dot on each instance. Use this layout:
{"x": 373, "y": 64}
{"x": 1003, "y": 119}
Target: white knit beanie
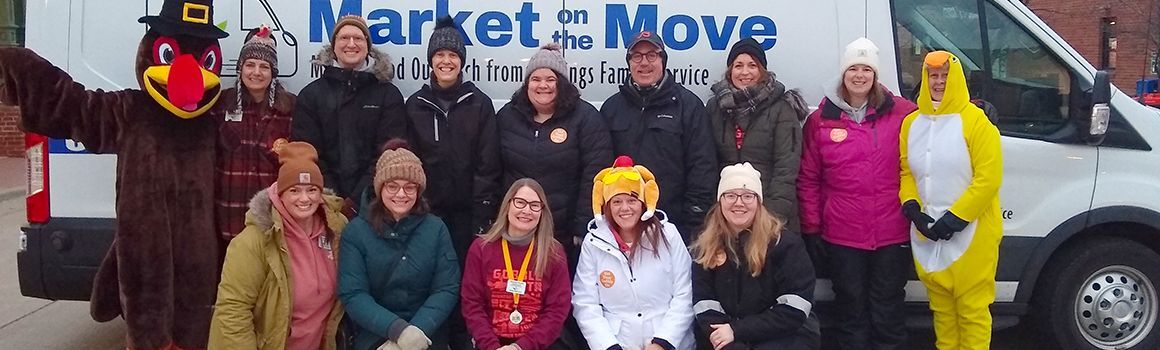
{"x": 860, "y": 51}
{"x": 740, "y": 175}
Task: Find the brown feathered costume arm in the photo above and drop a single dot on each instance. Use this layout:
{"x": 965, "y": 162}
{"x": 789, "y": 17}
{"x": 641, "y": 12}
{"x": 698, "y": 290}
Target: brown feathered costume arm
{"x": 52, "y": 104}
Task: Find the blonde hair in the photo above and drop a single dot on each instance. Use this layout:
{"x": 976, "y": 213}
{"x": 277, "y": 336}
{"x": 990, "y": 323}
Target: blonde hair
{"x": 717, "y": 239}
{"x": 544, "y": 234}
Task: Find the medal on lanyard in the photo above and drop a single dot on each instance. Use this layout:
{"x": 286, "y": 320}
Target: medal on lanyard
{"x": 516, "y": 284}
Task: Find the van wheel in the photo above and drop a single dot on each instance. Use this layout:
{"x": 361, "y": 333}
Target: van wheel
{"x": 1101, "y": 294}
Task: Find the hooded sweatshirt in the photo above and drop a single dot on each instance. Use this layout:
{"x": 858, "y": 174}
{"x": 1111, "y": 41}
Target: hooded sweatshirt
{"x": 856, "y": 113}
{"x": 312, "y": 276}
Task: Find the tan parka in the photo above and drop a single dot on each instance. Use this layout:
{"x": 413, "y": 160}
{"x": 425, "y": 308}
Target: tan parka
{"x": 253, "y": 306}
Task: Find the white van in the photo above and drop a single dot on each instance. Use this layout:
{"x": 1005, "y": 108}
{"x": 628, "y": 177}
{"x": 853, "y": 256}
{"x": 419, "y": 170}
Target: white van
{"x": 1081, "y": 197}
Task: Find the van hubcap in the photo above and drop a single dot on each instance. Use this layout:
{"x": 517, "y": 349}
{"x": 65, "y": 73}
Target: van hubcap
{"x": 1116, "y": 307}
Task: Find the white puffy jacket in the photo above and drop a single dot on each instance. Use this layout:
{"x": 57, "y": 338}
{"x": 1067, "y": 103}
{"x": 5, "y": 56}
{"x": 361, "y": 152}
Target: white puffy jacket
{"x": 616, "y": 304}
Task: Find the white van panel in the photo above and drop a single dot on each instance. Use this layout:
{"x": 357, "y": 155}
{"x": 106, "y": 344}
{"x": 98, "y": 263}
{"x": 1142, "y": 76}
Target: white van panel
{"x": 1044, "y": 184}
{"x": 82, "y": 185}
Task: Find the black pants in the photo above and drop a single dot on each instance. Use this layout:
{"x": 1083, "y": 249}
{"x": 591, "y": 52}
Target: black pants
{"x": 869, "y": 295}
{"x": 460, "y": 225}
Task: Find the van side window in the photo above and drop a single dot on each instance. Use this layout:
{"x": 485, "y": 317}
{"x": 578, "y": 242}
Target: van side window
{"x": 1009, "y": 68}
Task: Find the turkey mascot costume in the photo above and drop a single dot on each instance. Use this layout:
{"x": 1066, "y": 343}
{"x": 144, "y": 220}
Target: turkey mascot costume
{"x": 162, "y": 270}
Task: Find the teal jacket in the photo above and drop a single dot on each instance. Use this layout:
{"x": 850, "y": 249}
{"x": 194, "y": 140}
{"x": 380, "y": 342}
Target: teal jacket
{"x": 407, "y": 274}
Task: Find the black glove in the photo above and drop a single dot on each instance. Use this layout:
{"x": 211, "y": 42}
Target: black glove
{"x": 948, "y": 225}
{"x": 914, "y": 213}
{"x": 816, "y": 247}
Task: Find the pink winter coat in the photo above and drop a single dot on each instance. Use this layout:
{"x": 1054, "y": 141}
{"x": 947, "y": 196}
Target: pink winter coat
{"x": 848, "y": 182}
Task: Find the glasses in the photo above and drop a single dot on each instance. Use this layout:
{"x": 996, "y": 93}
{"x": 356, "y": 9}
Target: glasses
{"x": 747, "y": 198}
{"x": 520, "y": 203}
{"x": 409, "y": 189}
{"x": 650, "y": 56}
{"x": 358, "y": 39}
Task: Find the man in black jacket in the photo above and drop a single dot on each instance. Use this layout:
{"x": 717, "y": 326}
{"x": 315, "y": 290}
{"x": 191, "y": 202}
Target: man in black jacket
{"x": 351, "y": 111}
{"x": 452, "y": 128}
{"x": 664, "y": 126}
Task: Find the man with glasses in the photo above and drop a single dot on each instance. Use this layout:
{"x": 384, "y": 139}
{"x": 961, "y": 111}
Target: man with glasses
{"x": 351, "y": 110}
{"x": 664, "y": 127}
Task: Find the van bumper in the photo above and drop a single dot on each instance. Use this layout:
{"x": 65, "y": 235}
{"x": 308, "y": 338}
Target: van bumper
{"x": 61, "y": 257}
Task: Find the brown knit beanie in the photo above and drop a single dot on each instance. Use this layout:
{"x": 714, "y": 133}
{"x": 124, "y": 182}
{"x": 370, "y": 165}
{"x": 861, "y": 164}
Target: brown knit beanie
{"x": 351, "y": 20}
{"x": 260, "y": 45}
{"x": 549, "y": 56}
{"x": 398, "y": 162}
{"x": 299, "y": 166}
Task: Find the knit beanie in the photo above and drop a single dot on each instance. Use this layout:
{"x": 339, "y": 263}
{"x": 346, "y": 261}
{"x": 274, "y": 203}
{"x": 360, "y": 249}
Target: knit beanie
{"x": 625, "y": 178}
{"x": 748, "y": 46}
{"x": 651, "y": 38}
{"x": 299, "y": 165}
{"x": 860, "y": 51}
{"x": 740, "y": 175}
{"x": 549, "y": 56}
{"x": 259, "y": 45}
{"x": 398, "y": 162}
{"x": 351, "y": 20}
{"x": 446, "y": 37}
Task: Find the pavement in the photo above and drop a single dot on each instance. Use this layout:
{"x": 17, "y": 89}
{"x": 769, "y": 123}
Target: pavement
{"x": 13, "y": 178}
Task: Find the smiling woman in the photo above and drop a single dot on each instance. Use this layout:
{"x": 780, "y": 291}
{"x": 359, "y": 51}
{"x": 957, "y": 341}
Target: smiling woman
{"x": 756, "y": 119}
{"x": 252, "y": 116}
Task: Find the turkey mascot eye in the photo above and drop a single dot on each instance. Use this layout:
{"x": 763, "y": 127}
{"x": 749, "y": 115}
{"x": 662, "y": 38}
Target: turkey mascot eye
{"x": 211, "y": 59}
{"x": 165, "y": 50}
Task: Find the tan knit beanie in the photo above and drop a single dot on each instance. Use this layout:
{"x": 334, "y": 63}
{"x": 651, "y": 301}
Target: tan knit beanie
{"x": 351, "y": 20}
{"x": 398, "y": 162}
{"x": 299, "y": 165}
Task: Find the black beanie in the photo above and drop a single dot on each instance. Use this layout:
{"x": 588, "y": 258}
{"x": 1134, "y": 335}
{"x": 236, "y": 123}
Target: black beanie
{"x": 446, "y": 37}
{"x": 751, "y": 47}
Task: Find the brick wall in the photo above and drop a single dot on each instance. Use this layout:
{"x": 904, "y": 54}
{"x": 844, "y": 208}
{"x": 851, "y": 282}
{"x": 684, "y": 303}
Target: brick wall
{"x": 11, "y": 138}
{"x": 1079, "y": 22}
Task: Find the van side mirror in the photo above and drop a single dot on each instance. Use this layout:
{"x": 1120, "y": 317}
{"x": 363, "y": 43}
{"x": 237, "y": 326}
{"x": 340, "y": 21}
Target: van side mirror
{"x": 1101, "y": 109}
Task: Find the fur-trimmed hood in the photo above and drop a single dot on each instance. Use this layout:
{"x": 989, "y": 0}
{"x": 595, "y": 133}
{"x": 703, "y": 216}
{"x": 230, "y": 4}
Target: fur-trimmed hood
{"x": 263, "y": 216}
{"x": 381, "y": 67}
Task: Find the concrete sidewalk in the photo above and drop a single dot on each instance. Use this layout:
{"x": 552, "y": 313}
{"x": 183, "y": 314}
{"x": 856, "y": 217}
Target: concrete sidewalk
{"x": 13, "y": 178}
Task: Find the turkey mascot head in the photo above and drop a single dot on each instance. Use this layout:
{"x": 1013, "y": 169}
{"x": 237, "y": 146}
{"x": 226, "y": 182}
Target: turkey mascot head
{"x": 179, "y": 59}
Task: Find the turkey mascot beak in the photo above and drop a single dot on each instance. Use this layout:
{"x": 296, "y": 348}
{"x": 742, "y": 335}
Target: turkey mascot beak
{"x": 181, "y": 70}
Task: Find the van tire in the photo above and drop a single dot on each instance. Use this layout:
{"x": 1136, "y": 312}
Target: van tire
{"x": 1101, "y": 294}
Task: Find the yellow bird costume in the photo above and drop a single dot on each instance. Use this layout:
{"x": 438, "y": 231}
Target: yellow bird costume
{"x": 952, "y": 167}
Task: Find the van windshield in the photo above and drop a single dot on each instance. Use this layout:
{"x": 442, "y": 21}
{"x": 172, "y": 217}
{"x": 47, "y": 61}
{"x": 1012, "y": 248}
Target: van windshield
{"x": 1005, "y": 65}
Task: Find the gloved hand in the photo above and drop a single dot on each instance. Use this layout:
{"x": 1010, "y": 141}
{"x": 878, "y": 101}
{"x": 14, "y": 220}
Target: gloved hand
{"x": 816, "y": 247}
{"x": 921, "y": 221}
{"x": 948, "y": 225}
{"x": 413, "y": 338}
{"x": 390, "y": 345}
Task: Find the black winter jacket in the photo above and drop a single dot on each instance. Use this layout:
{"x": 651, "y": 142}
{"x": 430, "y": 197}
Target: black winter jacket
{"x": 563, "y": 154}
{"x": 348, "y": 115}
{"x": 459, "y": 146}
{"x": 668, "y": 132}
{"x": 762, "y": 308}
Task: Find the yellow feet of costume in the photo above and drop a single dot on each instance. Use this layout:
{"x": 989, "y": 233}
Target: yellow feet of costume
{"x": 961, "y": 297}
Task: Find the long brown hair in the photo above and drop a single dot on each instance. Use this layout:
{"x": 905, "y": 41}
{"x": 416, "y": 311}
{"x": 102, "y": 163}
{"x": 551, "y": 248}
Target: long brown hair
{"x": 875, "y": 98}
{"x": 717, "y": 239}
{"x": 651, "y": 230}
{"x": 543, "y": 234}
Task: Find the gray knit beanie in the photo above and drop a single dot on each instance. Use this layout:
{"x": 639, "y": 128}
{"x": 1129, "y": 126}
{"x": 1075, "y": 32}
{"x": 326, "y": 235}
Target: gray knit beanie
{"x": 259, "y": 45}
{"x": 446, "y": 37}
{"x": 549, "y": 56}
